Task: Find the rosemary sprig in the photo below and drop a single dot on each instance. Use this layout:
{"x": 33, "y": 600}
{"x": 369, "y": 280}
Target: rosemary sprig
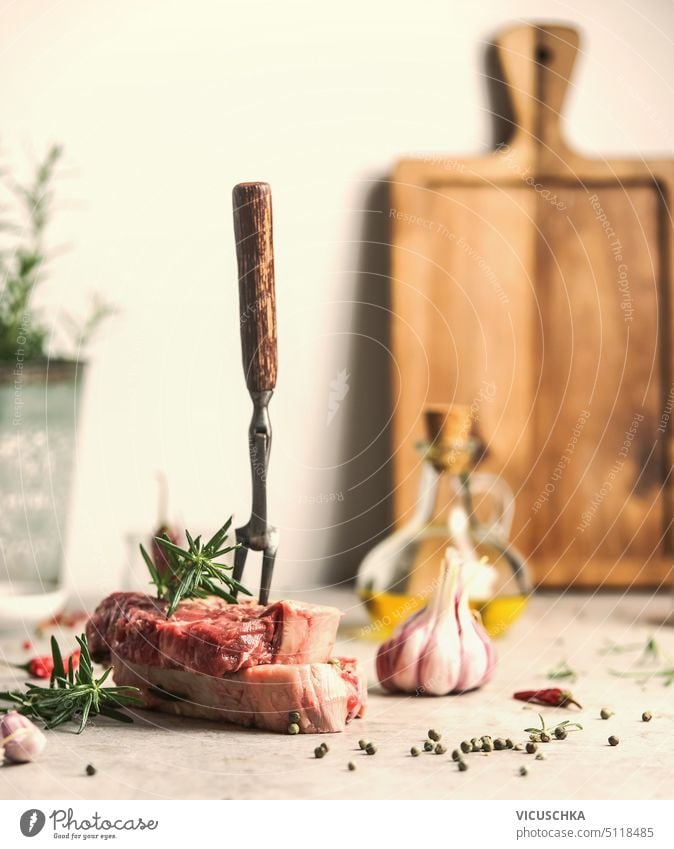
{"x": 650, "y": 652}
{"x": 192, "y": 572}
{"x": 667, "y": 674}
{"x": 562, "y": 671}
{"x": 567, "y": 725}
{"x": 72, "y": 695}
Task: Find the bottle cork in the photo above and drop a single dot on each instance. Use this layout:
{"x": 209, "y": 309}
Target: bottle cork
{"x": 447, "y": 423}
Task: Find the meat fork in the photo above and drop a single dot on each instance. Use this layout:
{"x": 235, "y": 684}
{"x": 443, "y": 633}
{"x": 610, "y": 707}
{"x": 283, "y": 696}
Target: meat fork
{"x": 257, "y": 320}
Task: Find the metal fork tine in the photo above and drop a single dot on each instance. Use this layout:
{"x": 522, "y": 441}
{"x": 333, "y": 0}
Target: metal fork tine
{"x": 268, "y": 559}
{"x": 239, "y": 561}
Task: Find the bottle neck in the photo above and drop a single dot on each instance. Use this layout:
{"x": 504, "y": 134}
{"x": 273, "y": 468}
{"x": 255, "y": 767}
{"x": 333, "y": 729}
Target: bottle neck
{"x": 442, "y": 489}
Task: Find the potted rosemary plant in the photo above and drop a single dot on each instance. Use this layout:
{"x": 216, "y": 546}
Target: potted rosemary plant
{"x": 39, "y": 391}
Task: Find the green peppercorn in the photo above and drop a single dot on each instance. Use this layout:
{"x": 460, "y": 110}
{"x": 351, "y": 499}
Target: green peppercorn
{"x": 414, "y": 752}
{"x": 463, "y": 766}
{"x": 613, "y": 741}
{"x": 560, "y": 733}
{"x": 433, "y": 735}
{"x": 485, "y": 737}
{"x": 517, "y": 748}
{"x": 499, "y": 744}
{"x": 362, "y": 744}
{"x": 524, "y": 770}
{"x": 371, "y": 749}
{"x": 605, "y": 713}
{"x": 293, "y": 716}
{"x": 477, "y": 746}
{"x": 456, "y": 755}
{"x": 428, "y": 746}
{"x": 91, "y": 769}
{"x": 487, "y": 746}
{"x": 545, "y": 737}
{"x": 319, "y": 752}
{"x": 466, "y": 747}
{"x": 351, "y": 766}
{"x": 293, "y": 728}
{"x": 509, "y": 743}
{"x": 531, "y": 748}
{"x": 646, "y": 716}
{"x": 535, "y": 738}
{"x": 540, "y": 756}
{"x": 440, "y": 749}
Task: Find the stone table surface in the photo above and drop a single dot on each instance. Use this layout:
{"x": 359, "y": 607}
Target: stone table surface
{"x": 162, "y": 757}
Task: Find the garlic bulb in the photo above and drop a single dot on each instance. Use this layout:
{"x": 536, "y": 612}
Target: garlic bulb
{"x": 22, "y": 740}
{"x": 443, "y": 648}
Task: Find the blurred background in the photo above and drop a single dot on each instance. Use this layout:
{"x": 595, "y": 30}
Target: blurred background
{"x": 161, "y": 108}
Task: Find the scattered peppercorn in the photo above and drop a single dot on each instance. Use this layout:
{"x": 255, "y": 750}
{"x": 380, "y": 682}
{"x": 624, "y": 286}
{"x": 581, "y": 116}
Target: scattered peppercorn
{"x": 517, "y": 748}
{"x": 509, "y": 743}
{"x": 560, "y": 733}
{"x": 456, "y": 755}
{"x": 433, "y": 735}
{"x": 294, "y": 716}
{"x": 371, "y": 749}
{"x": 540, "y": 756}
{"x": 91, "y": 769}
{"x": 351, "y": 765}
{"x": 487, "y": 745}
{"x": 362, "y": 744}
{"x": 545, "y": 738}
{"x": 524, "y": 770}
{"x": 440, "y": 749}
{"x": 466, "y": 747}
{"x": 414, "y": 752}
{"x": 499, "y": 744}
{"x": 605, "y": 713}
{"x": 293, "y": 728}
{"x": 531, "y": 748}
{"x": 428, "y": 746}
{"x": 536, "y": 738}
{"x": 646, "y": 716}
{"x": 613, "y": 741}
{"x": 463, "y": 766}
{"x": 319, "y": 752}
{"x": 325, "y": 747}
{"x": 477, "y": 746}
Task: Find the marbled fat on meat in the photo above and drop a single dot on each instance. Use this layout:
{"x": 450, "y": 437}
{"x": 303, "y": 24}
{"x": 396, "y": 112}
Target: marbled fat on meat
{"x": 210, "y": 636}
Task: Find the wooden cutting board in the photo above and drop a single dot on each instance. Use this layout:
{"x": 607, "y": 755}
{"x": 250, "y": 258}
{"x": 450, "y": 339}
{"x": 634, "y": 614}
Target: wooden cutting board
{"x": 535, "y": 285}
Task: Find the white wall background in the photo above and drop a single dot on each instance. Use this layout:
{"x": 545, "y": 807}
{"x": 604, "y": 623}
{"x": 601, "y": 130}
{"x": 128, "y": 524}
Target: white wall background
{"x": 162, "y": 107}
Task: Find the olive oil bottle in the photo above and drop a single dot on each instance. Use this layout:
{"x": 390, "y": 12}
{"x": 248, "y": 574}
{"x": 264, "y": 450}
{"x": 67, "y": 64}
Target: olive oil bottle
{"x": 399, "y": 575}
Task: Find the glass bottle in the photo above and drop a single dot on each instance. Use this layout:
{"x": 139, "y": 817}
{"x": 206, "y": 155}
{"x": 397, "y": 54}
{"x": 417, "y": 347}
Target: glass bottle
{"x": 455, "y": 506}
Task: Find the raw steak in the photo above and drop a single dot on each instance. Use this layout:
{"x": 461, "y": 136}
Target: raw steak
{"x": 326, "y": 695}
{"x": 210, "y": 636}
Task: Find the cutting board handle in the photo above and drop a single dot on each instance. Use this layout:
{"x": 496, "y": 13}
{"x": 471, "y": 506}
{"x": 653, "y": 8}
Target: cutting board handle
{"x": 537, "y": 62}
{"x": 257, "y": 295}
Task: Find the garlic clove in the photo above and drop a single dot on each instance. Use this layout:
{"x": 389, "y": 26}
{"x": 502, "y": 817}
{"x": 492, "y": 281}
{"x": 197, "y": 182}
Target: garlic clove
{"x": 398, "y": 658}
{"x": 440, "y": 667}
{"x": 22, "y": 740}
{"x": 477, "y": 653}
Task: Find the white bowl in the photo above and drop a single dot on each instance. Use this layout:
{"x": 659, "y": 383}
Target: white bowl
{"x": 24, "y": 605}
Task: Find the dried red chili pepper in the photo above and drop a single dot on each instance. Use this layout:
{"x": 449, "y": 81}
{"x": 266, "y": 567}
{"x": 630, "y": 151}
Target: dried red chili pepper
{"x": 553, "y": 697}
{"x": 42, "y": 667}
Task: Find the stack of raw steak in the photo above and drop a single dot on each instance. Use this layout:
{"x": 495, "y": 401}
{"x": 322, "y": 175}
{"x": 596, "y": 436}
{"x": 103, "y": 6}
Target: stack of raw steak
{"x": 245, "y": 663}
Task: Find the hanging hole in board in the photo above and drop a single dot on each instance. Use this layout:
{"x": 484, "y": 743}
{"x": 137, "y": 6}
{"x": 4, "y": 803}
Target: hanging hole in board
{"x": 543, "y": 55}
